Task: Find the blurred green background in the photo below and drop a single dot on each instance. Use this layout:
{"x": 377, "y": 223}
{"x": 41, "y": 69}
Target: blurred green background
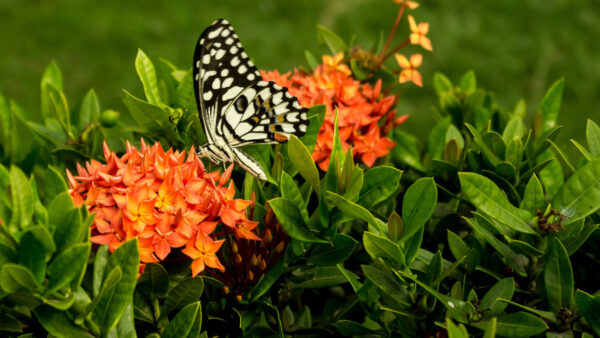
{"x": 517, "y": 48}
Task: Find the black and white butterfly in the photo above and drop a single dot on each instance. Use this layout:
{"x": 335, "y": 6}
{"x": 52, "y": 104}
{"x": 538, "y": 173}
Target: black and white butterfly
{"x": 236, "y": 106}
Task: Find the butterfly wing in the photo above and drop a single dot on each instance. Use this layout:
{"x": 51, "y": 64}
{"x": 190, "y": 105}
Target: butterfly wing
{"x": 236, "y": 106}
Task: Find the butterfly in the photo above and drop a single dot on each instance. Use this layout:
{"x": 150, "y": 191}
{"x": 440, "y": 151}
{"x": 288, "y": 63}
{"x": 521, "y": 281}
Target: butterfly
{"x": 236, "y": 106}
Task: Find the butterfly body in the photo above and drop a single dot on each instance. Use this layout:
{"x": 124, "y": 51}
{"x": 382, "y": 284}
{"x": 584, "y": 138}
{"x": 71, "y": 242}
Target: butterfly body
{"x": 236, "y": 106}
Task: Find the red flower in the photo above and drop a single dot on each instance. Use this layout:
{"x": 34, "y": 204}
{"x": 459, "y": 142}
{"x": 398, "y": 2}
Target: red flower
{"x": 360, "y": 108}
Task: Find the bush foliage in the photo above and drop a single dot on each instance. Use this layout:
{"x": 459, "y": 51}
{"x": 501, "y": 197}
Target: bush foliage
{"x": 483, "y": 227}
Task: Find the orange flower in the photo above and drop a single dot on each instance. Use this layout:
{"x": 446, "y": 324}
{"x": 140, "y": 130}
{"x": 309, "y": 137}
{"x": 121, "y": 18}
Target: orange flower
{"x": 410, "y": 72}
{"x": 417, "y": 37}
{"x": 167, "y": 201}
{"x": 409, "y": 4}
{"x": 360, "y": 107}
{"x": 203, "y": 251}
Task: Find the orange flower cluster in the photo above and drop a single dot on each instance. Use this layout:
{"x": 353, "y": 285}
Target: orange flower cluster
{"x": 163, "y": 199}
{"x": 361, "y": 109}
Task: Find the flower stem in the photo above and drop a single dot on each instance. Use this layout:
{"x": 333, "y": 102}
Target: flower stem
{"x": 395, "y": 49}
{"x": 389, "y": 39}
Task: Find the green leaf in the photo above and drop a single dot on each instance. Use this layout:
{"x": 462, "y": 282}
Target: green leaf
{"x": 575, "y": 235}
{"x": 15, "y": 277}
{"x": 385, "y": 280}
{"x": 379, "y": 184}
{"x": 184, "y": 96}
{"x": 437, "y": 137}
{"x": 290, "y": 191}
{"x": 516, "y": 261}
{"x": 551, "y": 175}
{"x": 32, "y": 254}
{"x": 379, "y": 246}
{"x": 406, "y": 150}
{"x": 187, "y": 291}
{"x": 22, "y": 199}
{"x": 326, "y": 254}
{"x": 58, "y": 323}
{"x": 514, "y": 128}
{"x": 126, "y": 326}
{"x": 351, "y": 277}
{"x": 316, "y": 117}
{"x": 550, "y": 105}
{"x": 54, "y": 183}
{"x": 65, "y": 220}
{"x": 580, "y": 195}
{"x": 302, "y": 160}
{"x": 533, "y": 198}
{"x": 455, "y": 331}
{"x": 100, "y": 262}
{"x": 489, "y": 154}
{"x": 150, "y": 117}
{"x": 468, "y": 82}
{"x": 89, "y": 112}
{"x": 457, "y": 246}
{"x": 352, "y": 210}
{"x": 441, "y": 83}
{"x": 267, "y": 281}
{"x": 487, "y": 197}
{"x": 333, "y": 41}
{"x": 112, "y": 306}
{"x": 110, "y": 281}
{"x": 417, "y": 206}
{"x": 321, "y": 277}
{"x": 592, "y": 133}
{"x": 181, "y": 325}
{"x": 519, "y": 324}
{"x": 310, "y": 59}
{"x": 412, "y": 246}
{"x": 67, "y": 266}
{"x": 147, "y": 74}
{"x": 590, "y": 309}
{"x": 350, "y": 328}
{"x": 154, "y": 281}
{"x": 558, "y": 277}
{"x": 291, "y": 220}
{"x": 52, "y": 78}
{"x": 504, "y": 288}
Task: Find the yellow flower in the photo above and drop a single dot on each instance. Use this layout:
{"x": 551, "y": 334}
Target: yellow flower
{"x": 409, "y": 4}
{"x": 409, "y": 68}
{"x": 417, "y": 37}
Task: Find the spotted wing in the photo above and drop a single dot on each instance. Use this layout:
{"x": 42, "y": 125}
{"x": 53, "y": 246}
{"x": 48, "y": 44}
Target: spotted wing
{"x": 237, "y": 107}
{"x": 222, "y": 71}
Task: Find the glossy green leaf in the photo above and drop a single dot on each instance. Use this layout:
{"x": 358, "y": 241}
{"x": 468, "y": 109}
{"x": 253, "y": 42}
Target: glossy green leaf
{"x": 148, "y": 116}
{"x": 379, "y": 246}
{"x": 379, "y": 184}
{"x": 22, "y": 199}
{"x": 187, "y": 291}
{"x": 533, "y": 198}
{"x": 327, "y": 254}
{"x": 457, "y": 246}
{"x": 441, "y": 83}
{"x": 580, "y": 195}
{"x": 520, "y": 324}
{"x": 351, "y": 209}
{"x": 89, "y": 111}
{"x": 66, "y": 266}
{"x": 417, "y": 206}
{"x": 514, "y": 128}
{"x": 550, "y": 105}
{"x": 181, "y": 325}
{"x": 413, "y": 245}
{"x": 32, "y": 255}
{"x": 490, "y": 302}
{"x": 290, "y": 191}
{"x": 291, "y": 220}
{"x": 488, "y": 198}
{"x": 333, "y": 41}
{"x": 147, "y": 74}
{"x": 575, "y": 235}
{"x": 406, "y": 150}
{"x": 266, "y": 282}
{"x": 316, "y": 117}
{"x": 350, "y": 328}
{"x": 112, "y": 305}
{"x": 590, "y": 309}
{"x": 310, "y": 59}
{"x": 54, "y": 183}
{"x": 100, "y": 261}
{"x": 154, "y": 281}
{"x": 51, "y": 79}
{"x": 592, "y": 133}
{"x": 302, "y": 160}
{"x": 437, "y": 136}
{"x": 516, "y": 261}
{"x": 487, "y": 152}
{"x": 558, "y": 277}
{"x": 456, "y": 331}
{"x": 184, "y": 94}
{"x": 321, "y": 277}
{"x": 15, "y": 277}
{"x": 58, "y": 323}
{"x": 468, "y": 82}
{"x": 385, "y": 280}
{"x": 110, "y": 281}
{"x": 126, "y": 326}
{"x": 551, "y": 175}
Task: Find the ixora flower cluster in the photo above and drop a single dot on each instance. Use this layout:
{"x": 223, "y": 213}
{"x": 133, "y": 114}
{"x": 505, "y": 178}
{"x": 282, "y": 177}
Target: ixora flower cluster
{"x": 360, "y": 107}
{"x": 165, "y": 200}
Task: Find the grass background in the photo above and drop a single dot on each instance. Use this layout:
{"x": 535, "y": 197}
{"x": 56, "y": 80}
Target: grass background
{"x": 517, "y": 48}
